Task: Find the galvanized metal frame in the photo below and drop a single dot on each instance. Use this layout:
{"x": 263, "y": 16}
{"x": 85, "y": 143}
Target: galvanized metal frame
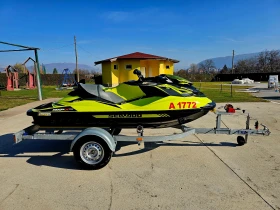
{"x": 40, "y": 97}
{"x": 32, "y": 133}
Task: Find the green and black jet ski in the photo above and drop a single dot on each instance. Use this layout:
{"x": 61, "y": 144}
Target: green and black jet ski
{"x": 155, "y": 102}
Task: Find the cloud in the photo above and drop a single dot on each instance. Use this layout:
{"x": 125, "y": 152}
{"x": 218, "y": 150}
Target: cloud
{"x": 231, "y": 40}
{"x": 117, "y": 16}
{"x": 222, "y": 38}
{"x": 152, "y": 15}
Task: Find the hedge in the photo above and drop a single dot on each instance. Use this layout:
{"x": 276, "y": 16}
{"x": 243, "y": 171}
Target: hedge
{"x": 47, "y": 79}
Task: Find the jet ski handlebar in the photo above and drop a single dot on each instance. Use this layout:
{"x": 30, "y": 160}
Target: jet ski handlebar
{"x": 139, "y": 74}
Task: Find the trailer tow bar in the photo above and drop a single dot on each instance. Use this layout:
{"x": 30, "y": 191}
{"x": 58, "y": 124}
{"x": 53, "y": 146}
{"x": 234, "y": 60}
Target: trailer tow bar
{"x": 240, "y": 139}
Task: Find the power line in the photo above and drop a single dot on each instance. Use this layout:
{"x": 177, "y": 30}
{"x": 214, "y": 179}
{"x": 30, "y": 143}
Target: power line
{"x": 45, "y": 50}
{"x": 88, "y": 52}
{"x": 85, "y": 50}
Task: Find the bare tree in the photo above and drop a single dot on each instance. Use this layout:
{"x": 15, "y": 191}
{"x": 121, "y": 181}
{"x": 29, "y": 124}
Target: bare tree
{"x": 181, "y": 73}
{"x": 207, "y": 65}
{"x": 95, "y": 72}
{"x": 19, "y": 67}
{"x": 81, "y": 71}
{"x": 274, "y": 60}
{"x": 269, "y": 61}
{"x": 246, "y": 65}
{"x": 193, "y": 68}
{"x": 263, "y": 61}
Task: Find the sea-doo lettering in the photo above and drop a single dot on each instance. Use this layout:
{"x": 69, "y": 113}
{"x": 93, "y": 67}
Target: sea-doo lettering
{"x": 125, "y": 116}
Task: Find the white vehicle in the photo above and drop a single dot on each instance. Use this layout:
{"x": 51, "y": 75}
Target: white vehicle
{"x": 273, "y": 81}
{"x": 237, "y": 81}
{"x": 247, "y": 81}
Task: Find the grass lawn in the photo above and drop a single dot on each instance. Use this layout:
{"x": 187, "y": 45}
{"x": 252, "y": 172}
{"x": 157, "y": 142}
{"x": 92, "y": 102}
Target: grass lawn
{"x": 9, "y": 99}
{"x": 222, "y": 94}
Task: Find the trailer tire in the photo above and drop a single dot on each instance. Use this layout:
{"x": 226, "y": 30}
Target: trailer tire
{"x": 241, "y": 140}
{"x": 92, "y": 152}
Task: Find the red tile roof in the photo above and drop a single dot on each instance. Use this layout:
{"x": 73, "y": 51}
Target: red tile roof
{"x": 137, "y": 55}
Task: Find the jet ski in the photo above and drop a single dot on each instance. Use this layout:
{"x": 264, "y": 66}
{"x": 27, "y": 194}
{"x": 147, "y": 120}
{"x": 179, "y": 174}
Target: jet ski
{"x": 158, "y": 102}
{"x": 175, "y": 81}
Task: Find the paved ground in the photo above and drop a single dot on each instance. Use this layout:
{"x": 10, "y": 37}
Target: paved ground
{"x": 198, "y": 172}
{"x": 265, "y": 93}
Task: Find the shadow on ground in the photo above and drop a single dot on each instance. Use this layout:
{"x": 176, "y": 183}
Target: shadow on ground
{"x": 153, "y": 145}
{"x": 62, "y": 147}
{"x": 263, "y": 89}
{"x": 59, "y": 147}
{"x": 271, "y": 97}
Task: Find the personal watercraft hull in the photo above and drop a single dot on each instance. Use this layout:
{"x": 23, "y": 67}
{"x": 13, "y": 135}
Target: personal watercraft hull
{"x": 163, "y": 101}
{"x": 68, "y": 117}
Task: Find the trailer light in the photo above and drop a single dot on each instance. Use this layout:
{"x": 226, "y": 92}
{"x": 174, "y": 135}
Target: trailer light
{"x": 139, "y": 139}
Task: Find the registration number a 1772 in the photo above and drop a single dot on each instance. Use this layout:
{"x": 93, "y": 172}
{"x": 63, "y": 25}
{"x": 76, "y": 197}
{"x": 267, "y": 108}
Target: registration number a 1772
{"x": 182, "y": 105}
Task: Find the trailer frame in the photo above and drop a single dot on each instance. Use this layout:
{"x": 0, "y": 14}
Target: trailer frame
{"x": 90, "y": 144}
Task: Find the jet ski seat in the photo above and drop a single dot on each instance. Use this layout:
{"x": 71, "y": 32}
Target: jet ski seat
{"x": 98, "y": 91}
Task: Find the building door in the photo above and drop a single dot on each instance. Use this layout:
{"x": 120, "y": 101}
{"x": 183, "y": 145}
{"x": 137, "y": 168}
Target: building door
{"x": 143, "y": 71}
{"x": 150, "y": 72}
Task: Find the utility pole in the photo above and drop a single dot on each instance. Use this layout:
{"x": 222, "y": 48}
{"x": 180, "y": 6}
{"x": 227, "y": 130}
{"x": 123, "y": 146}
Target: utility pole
{"x": 232, "y": 67}
{"x": 77, "y": 70}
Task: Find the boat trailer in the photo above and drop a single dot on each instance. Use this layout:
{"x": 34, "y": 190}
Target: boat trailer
{"x": 93, "y": 147}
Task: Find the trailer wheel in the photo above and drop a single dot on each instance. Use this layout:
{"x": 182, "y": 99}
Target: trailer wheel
{"x": 92, "y": 153}
{"x": 241, "y": 140}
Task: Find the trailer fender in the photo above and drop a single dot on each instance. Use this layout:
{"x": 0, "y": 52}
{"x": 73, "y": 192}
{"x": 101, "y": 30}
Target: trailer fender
{"x": 103, "y": 134}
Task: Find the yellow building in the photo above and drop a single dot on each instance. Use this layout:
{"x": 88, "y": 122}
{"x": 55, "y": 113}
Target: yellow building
{"x": 120, "y": 69}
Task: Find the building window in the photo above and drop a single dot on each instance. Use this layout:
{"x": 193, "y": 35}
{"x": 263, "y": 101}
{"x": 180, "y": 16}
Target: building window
{"x": 167, "y": 67}
{"x": 115, "y": 67}
{"x": 128, "y": 67}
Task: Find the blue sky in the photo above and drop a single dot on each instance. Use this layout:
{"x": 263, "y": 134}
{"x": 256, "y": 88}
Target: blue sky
{"x": 189, "y": 30}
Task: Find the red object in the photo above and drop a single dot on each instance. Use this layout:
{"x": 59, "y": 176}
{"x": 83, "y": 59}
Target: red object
{"x": 137, "y": 55}
{"x": 9, "y": 83}
{"x": 12, "y": 78}
{"x": 231, "y": 110}
{"x": 31, "y": 81}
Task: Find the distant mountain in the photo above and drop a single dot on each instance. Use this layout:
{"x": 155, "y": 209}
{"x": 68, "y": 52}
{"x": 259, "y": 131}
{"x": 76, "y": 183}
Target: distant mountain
{"x": 60, "y": 66}
{"x": 221, "y": 61}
